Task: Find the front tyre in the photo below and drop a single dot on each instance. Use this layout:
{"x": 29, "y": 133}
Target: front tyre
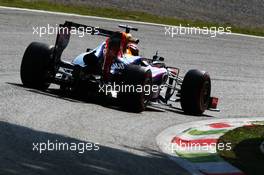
{"x": 35, "y": 66}
{"x": 195, "y": 92}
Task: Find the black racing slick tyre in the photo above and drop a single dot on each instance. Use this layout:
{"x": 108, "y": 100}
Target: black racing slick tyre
{"x": 195, "y": 92}
{"x": 35, "y": 66}
{"x": 141, "y": 79}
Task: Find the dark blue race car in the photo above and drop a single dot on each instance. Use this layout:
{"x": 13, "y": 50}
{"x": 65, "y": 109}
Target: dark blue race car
{"x": 134, "y": 80}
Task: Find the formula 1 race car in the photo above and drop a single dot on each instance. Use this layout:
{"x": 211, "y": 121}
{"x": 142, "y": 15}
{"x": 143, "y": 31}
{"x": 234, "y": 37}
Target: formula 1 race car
{"x": 135, "y": 81}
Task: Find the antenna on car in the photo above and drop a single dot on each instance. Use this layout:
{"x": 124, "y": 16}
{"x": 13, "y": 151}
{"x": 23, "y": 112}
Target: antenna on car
{"x": 127, "y": 27}
{"x": 155, "y": 57}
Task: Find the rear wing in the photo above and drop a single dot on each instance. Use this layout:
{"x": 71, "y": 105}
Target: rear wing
{"x": 64, "y": 33}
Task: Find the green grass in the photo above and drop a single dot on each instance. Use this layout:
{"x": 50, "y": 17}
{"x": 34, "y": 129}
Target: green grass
{"x": 245, "y": 153}
{"x": 121, "y": 14}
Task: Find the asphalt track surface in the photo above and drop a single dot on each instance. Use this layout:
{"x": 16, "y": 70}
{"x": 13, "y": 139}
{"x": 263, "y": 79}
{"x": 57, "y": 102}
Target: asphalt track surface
{"x": 127, "y": 140}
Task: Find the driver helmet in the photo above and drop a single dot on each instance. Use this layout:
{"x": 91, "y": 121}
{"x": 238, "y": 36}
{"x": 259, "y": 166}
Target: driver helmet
{"x": 132, "y": 49}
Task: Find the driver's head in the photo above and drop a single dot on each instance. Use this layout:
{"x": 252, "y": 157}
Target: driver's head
{"x": 131, "y": 39}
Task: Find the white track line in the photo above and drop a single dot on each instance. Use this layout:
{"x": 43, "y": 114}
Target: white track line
{"x": 112, "y": 19}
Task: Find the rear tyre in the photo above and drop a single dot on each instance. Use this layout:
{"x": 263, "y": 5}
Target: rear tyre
{"x": 141, "y": 79}
{"x": 195, "y": 92}
{"x": 35, "y": 66}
